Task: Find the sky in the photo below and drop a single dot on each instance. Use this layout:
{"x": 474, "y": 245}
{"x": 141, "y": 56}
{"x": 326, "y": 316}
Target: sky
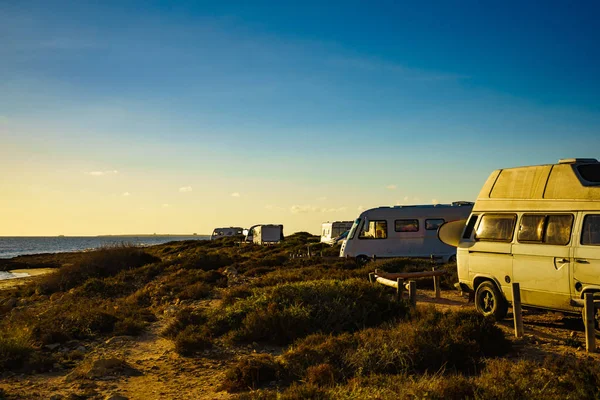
{"x": 124, "y": 117}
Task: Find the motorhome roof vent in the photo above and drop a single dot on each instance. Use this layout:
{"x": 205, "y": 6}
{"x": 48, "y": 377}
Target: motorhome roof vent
{"x": 577, "y": 161}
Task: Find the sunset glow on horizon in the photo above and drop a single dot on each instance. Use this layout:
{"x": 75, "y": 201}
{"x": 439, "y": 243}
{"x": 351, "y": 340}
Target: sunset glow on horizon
{"x": 148, "y": 117}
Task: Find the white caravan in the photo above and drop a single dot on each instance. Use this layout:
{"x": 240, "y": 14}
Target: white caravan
{"x": 266, "y": 234}
{"x": 332, "y": 230}
{"x": 538, "y": 226}
{"x": 225, "y": 232}
{"x": 403, "y": 231}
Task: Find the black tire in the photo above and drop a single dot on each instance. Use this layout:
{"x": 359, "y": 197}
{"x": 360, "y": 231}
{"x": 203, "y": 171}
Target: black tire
{"x": 362, "y": 259}
{"x": 452, "y": 259}
{"x": 490, "y": 302}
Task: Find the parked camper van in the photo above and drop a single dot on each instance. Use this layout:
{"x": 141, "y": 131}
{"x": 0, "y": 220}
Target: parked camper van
{"x": 403, "y": 231}
{"x": 224, "y": 232}
{"x": 332, "y": 230}
{"x": 538, "y": 226}
{"x": 267, "y": 234}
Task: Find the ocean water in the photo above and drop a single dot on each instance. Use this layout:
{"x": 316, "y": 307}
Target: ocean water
{"x": 16, "y": 246}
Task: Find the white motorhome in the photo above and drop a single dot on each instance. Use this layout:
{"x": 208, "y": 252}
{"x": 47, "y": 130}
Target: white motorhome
{"x": 331, "y": 230}
{"x": 266, "y": 234}
{"x": 403, "y": 231}
{"x": 538, "y": 226}
{"x": 219, "y": 233}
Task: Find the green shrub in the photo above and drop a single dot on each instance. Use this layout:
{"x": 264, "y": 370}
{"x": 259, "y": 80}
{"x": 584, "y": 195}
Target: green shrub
{"x": 15, "y": 350}
{"x": 191, "y": 340}
{"x": 101, "y": 263}
{"x": 285, "y": 312}
{"x": 250, "y": 372}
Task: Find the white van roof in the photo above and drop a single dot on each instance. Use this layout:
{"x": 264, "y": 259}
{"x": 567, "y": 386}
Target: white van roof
{"x": 543, "y": 187}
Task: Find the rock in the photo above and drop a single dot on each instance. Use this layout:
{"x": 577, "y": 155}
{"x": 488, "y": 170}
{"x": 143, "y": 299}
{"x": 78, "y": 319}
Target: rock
{"x": 573, "y": 334}
{"x": 81, "y": 349}
{"x": 52, "y": 346}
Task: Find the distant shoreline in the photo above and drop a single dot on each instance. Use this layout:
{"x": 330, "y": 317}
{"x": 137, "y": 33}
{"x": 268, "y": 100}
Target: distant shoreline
{"x": 93, "y": 236}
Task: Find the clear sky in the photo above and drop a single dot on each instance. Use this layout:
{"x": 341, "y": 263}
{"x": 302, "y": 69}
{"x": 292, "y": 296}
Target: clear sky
{"x": 178, "y": 117}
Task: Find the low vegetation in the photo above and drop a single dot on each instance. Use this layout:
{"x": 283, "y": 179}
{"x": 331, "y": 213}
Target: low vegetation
{"x": 288, "y": 326}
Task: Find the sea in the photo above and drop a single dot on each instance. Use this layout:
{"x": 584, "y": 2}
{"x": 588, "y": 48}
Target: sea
{"x": 17, "y": 246}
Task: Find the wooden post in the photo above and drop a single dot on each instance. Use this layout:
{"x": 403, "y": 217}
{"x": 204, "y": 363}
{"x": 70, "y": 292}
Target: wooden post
{"x": 399, "y": 288}
{"x": 371, "y": 277}
{"x": 308, "y": 250}
{"x": 590, "y": 331}
{"x": 412, "y": 293}
{"x": 436, "y": 284}
{"x": 517, "y": 312}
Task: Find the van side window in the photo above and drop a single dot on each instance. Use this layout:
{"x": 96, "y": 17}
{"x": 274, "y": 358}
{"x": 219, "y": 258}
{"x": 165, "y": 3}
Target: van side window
{"x": 496, "y": 227}
{"x": 531, "y": 228}
{"x": 375, "y": 230}
{"x": 433, "y": 224}
{"x": 590, "y": 234}
{"x": 558, "y": 229}
{"x": 406, "y": 225}
{"x": 470, "y": 226}
{"x": 547, "y": 229}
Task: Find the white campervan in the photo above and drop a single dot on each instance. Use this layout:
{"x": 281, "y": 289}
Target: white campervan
{"x": 332, "y": 230}
{"x": 265, "y": 234}
{"x": 225, "y": 232}
{"x": 538, "y": 226}
{"x": 403, "y": 231}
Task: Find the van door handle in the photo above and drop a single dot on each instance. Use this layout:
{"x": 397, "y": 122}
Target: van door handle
{"x": 581, "y": 261}
{"x": 563, "y": 261}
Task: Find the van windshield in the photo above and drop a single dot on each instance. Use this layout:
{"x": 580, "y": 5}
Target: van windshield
{"x": 353, "y": 229}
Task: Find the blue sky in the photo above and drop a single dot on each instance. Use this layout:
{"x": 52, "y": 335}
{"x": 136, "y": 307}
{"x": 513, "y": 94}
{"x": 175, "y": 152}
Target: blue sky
{"x": 307, "y": 111}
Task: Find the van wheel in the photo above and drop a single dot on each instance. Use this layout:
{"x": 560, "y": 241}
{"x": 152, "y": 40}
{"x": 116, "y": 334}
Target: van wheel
{"x": 490, "y": 302}
{"x": 362, "y": 259}
{"x": 452, "y": 259}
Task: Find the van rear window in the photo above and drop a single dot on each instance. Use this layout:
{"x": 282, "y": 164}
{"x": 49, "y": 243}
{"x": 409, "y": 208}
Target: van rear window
{"x": 590, "y": 172}
{"x": 590, "y": 234}
{"x": 496, "y": 227}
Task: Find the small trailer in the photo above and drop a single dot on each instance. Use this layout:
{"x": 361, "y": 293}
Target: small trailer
{"x": 267, "y": 234}
{"x": 219, "y": 233}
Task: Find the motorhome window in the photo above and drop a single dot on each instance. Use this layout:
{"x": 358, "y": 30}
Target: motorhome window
{"x": 353, "y": 229}
{"x": 590, "y": 172}
{"x": 496, "y": 227}
{"x": 375, "y": 230}
{"x": 590, "y": 235}
{"x": 433, "y": 224}
{"x": 406, "y": 225}
{"x": 470, "y": 227}
{"x": 531, "y": 228}
{"x": 337, "y": 231}
{"x": 558, "y": 229}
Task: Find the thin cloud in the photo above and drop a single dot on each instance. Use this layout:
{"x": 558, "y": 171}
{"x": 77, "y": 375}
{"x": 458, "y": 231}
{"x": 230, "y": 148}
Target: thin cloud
{"x": 166, "y": 205}
{"x": 300, "y": 209}
{"x": 126, "y": 194}
{"x": 374, "y": 65}
{"x": 434, "y": 201}
{"x": 269, "y": 206}
{"x": 185, "y": 189}
{"x": 391, "y": 187}
{"x": 322, "y": 198}
{"x": 235, "y": 194}
{"x": 360, "y": 208}
{"x": 103, "y": 173}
